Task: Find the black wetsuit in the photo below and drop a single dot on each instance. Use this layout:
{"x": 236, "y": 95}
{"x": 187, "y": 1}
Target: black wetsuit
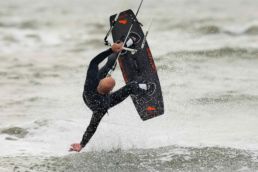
{"x": 99, "y": 103}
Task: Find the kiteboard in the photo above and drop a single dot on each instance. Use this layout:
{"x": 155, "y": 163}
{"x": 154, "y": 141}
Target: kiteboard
{"x": 139, "y": 65}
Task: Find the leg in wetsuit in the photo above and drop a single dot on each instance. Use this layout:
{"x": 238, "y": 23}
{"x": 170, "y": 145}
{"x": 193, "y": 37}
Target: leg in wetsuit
{"x": 98, "y": 103}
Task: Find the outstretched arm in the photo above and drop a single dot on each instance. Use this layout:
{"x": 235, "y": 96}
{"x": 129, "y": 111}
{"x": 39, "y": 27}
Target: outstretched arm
{"x": 108, "y": 66}
{"x": 95, "y": 120}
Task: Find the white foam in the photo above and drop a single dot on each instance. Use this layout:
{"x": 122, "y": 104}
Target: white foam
{"x": 49, "y": 88}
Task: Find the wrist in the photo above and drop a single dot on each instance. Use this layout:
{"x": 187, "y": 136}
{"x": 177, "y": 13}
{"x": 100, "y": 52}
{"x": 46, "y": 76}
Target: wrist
{"x": 110, "y": 50}
{"x": 82, "y": 145}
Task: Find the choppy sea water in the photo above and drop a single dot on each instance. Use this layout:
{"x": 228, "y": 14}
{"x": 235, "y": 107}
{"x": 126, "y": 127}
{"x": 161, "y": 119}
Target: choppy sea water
{"x": 206, "y": 53}
{"x": 159, "y": 159}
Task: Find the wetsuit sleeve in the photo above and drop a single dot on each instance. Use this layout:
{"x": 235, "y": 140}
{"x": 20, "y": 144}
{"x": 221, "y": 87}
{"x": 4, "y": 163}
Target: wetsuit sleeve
{"x": 108, "y": 66}
{"x": 95, "y": 120}
{"x": 99, "y": 58}
{"x": 92, "y": 80}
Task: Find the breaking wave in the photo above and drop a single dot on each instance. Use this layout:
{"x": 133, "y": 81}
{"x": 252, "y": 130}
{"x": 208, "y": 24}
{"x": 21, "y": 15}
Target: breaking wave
{"x": 15, "y": 131}
{"x": 201, "y": 27}
{"x": 172, "y": 158}
{"x": 209, "y": 29}
{"x": 30, "y": 24}
{"x": 252, "y": 30}
{"x": 217, "y": 53}
{"x": 227, "y": 98}
{"x": 213, "y": 29}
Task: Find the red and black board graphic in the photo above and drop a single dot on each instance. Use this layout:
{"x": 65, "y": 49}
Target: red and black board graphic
{"x": 138, "y": 67}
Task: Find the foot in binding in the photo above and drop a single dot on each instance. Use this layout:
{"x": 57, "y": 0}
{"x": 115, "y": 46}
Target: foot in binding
{"x": 132, "y": 40}
{"x": 149, "y": 88}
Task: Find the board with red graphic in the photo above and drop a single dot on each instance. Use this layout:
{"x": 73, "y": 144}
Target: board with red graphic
{"x": 138, "y": 67}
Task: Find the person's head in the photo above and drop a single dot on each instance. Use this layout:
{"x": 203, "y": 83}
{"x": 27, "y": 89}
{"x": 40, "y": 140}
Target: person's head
{"x": 106, "y": 85}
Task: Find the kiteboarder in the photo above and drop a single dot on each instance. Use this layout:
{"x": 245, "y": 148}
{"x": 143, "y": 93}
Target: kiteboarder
{"x": 97, "y": 91}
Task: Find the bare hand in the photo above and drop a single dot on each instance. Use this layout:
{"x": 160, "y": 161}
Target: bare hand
{"x": 75, "y": 147}
{"x": 117, "y": 47}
